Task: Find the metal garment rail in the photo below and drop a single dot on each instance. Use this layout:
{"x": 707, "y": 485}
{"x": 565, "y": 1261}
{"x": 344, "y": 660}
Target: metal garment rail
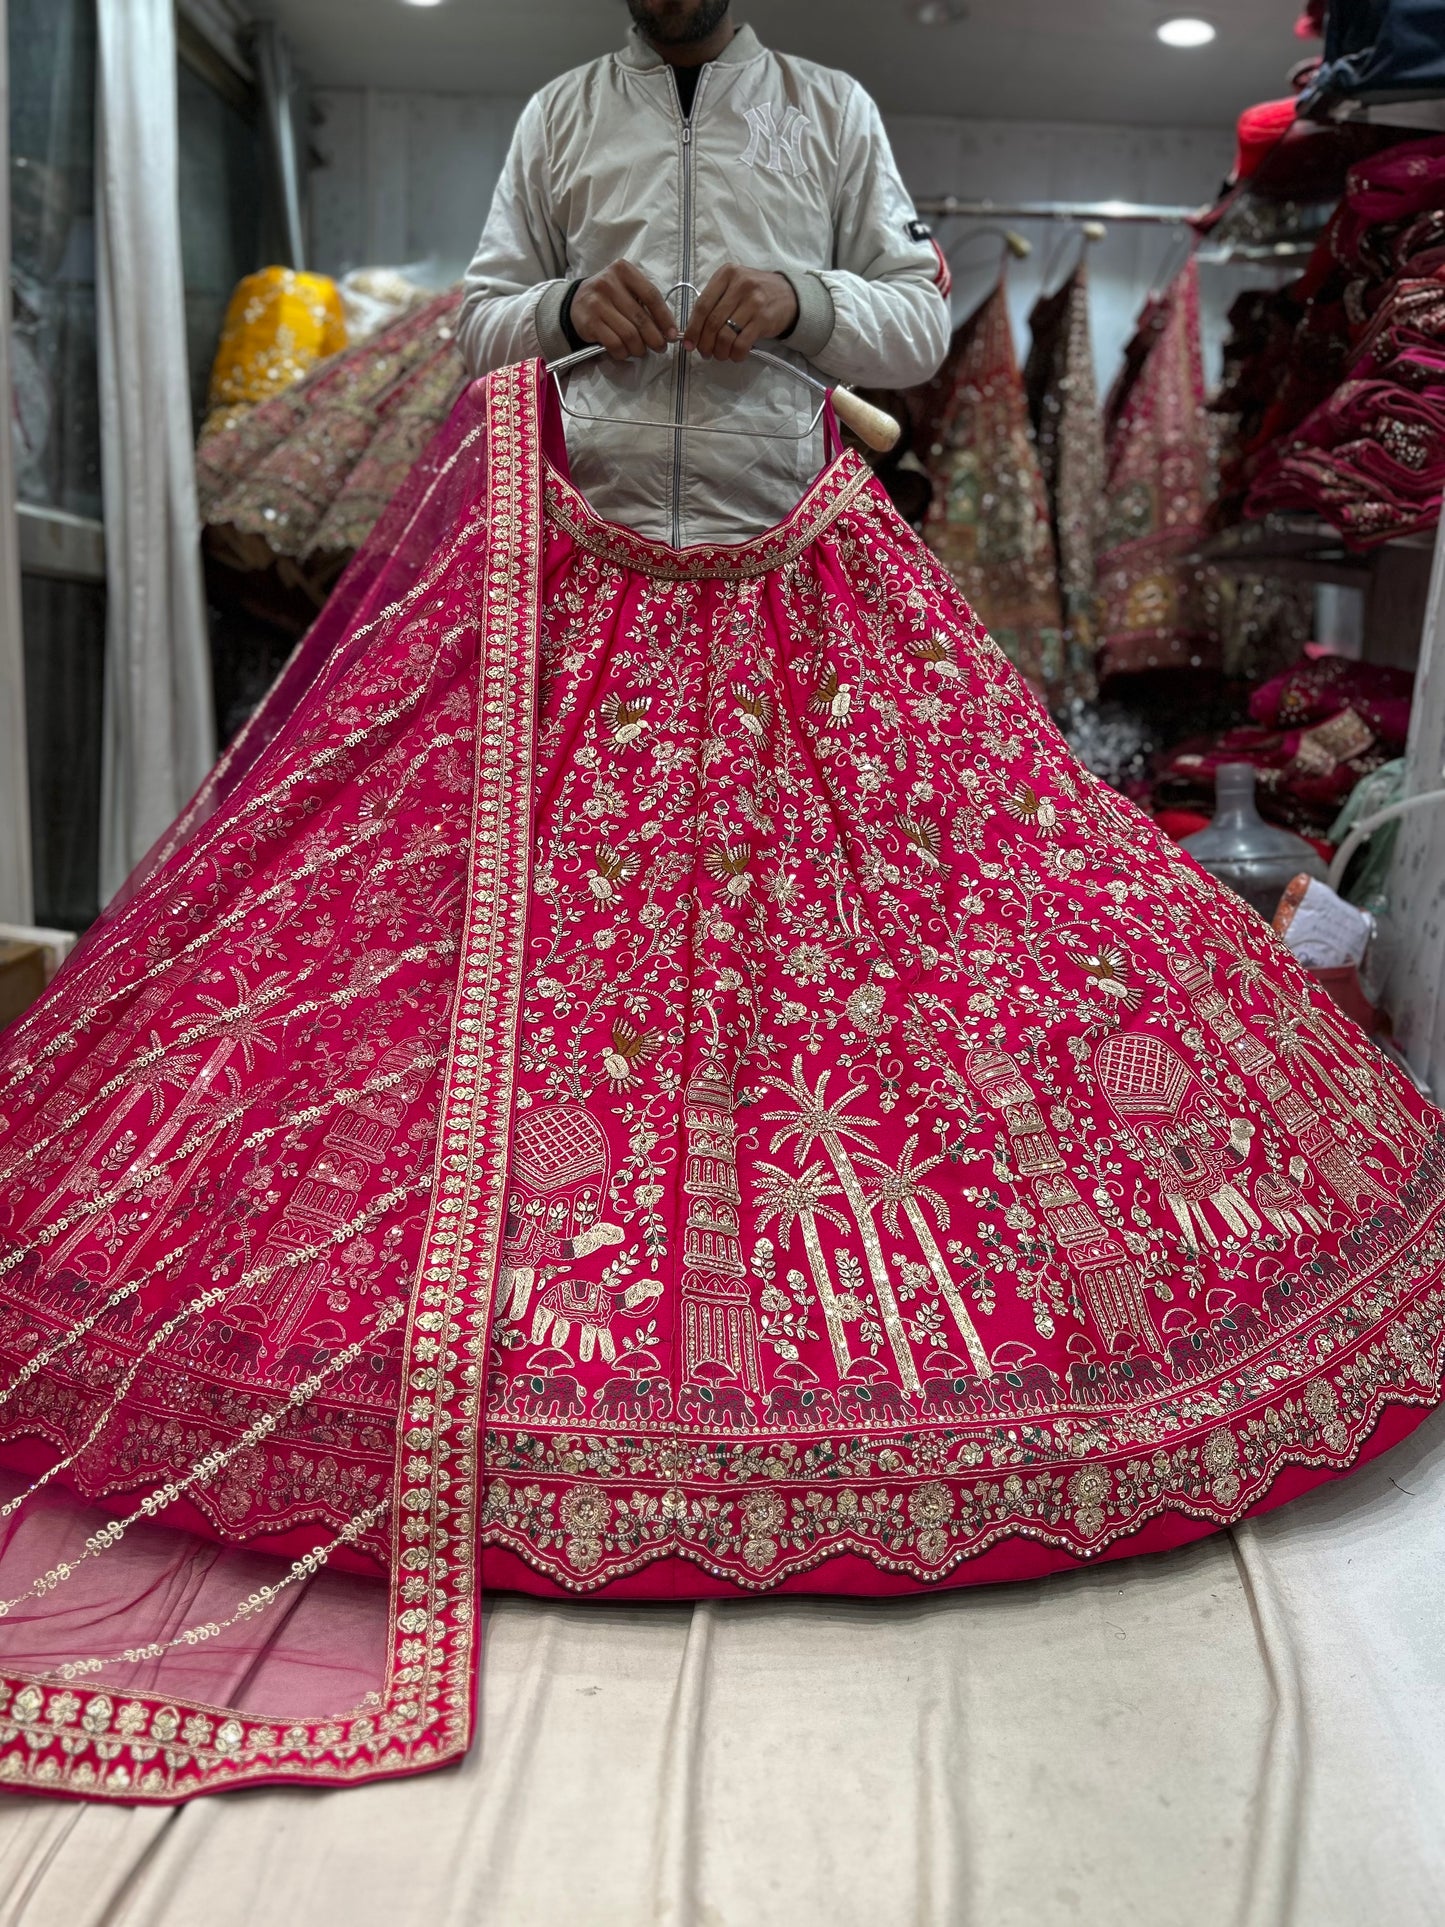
{"x": 1094, "y": 217}
{"x": 1162, "y": 216}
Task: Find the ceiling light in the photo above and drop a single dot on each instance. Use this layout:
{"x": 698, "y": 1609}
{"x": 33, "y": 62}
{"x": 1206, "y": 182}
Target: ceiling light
{"x": 1186, "y": 33}
{"x": 939, "y": 13}
{"x": 421, "y": 3}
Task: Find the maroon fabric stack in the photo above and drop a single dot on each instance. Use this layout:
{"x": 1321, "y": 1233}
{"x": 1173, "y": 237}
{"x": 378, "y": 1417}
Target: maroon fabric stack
{"x": 1356, "y": 434}
{"x": 1315, "y": 731}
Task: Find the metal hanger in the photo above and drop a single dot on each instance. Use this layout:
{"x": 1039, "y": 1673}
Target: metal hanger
{"x": 1084, "y": 234}
{"x": 871, "y": 425}
{"x": 1012, "y": 245}
{"x": 1173, "y": 262}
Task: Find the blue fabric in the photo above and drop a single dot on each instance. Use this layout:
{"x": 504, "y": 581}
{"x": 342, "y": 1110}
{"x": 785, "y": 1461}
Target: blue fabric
{"x": 1380, "y": 47}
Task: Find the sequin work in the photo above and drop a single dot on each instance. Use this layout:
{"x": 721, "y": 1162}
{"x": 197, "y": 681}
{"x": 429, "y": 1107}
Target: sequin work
{"x": 665, "y": 1075}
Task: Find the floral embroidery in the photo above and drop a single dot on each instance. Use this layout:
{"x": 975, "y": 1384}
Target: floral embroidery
{"x": 803, "y": 1113}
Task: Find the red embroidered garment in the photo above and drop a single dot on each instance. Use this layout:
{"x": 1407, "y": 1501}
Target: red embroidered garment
{"x": 989, "y": 520}
{"x": 650, "y": 1070}
{"x": 1157, "y": 489}
{"x": 306, "y": 474}
{"x": 1371, "y": 460}
{"x": 1339, "y": 408}
{"x": 1069, "y": 434}
{"x": 1319, "y": 728}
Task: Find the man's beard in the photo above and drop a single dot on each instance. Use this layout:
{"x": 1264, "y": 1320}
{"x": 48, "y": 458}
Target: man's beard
{"x": 652, "y": 17}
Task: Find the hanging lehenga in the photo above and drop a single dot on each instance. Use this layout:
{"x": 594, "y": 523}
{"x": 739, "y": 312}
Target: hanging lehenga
{"x": 1069, "y": 435}
{"x": 989, "y": 519}
{"x": 1154, "y": 611}
{"x": 649, "y": 1071}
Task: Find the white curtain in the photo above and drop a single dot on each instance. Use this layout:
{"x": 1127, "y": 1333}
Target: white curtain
{"x": 15, "y": 882}
{"x": 1415, "y": 934}
{"x": 279, "y": 90}
{"x": 158, "y": 734}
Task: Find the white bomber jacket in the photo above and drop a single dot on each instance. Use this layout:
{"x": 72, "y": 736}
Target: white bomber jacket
{"x": 783, "y": 164}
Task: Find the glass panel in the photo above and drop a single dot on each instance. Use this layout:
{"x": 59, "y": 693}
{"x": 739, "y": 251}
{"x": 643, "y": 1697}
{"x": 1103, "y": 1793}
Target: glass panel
{"x": 64, "y": 625}
{"x": 56, "y": 413}
{"x": 56, "y": 428}
{"x": 220, "y": 216}
{"x": 52, "y": 271}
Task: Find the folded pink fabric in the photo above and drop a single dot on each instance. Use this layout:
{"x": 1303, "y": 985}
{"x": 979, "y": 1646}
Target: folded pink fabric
{"x": 1370, "y": 462}
{"x": 1388, "y": 189}
{"x": 1318, "y": 688}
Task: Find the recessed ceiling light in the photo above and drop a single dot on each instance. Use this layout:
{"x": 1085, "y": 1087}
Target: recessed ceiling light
{"x": 1186, "y": 33}
{"x": 939, "y": 13}
{"x": 421, "y": 3}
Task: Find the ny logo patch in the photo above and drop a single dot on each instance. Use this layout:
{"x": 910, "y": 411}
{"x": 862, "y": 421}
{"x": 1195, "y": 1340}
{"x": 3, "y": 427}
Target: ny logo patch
{"x": 775, "y": 143}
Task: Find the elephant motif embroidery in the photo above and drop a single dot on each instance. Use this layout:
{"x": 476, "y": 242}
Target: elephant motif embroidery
{"x": 559, "y": 1171}
{"x": 1162, "y": 1106}
{"x": 1318, "y": 1136}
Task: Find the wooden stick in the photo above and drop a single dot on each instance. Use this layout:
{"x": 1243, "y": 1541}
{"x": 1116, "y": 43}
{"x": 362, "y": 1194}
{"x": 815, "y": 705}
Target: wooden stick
{"x": 869, "y": 424}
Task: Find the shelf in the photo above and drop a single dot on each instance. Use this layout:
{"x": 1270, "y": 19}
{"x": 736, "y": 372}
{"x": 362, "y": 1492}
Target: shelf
{"x": 1299, "y": 545}
{"x": 1425, "y": 112}
{"x": 1297, "y": 247}
{"x": 69, "y": 548}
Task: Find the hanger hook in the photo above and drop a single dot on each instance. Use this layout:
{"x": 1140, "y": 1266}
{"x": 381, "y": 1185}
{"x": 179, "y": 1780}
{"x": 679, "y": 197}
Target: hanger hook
{"x": 688, "y": 288}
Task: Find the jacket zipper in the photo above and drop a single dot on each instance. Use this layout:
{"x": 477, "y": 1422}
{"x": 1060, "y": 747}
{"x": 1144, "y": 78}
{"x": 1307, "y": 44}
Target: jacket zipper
{"x": 689, "y": 121}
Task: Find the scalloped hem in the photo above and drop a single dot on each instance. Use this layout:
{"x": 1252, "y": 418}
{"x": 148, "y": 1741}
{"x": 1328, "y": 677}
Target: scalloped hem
{"x": 1022, "y": 1555}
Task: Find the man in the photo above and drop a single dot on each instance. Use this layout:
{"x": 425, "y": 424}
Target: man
{"x": 697, "y": 156}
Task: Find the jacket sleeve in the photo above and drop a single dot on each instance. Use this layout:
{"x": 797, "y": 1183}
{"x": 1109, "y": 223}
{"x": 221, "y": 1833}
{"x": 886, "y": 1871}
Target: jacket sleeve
{"x": 880, "y": 315}
{"x": 518, "y": 278}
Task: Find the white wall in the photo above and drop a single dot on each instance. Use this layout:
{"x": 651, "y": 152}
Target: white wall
{"x": 1050, "y": 161}
{"x": 409, "y": 178}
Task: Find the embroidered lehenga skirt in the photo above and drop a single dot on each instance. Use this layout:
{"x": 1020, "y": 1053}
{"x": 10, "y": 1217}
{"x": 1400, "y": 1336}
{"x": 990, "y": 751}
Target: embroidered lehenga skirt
{"x": 649, "y": 1073}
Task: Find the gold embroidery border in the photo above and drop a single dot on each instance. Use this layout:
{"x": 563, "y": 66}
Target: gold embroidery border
{"x": 845, "y": 477}
{"x": 80, "y": 1742}
{"x": 1079, "y": 1494}
{"x": 1378, "y": 1344}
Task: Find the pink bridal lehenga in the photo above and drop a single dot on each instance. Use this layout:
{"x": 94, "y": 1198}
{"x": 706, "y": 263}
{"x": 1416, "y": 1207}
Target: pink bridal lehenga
{"x": 649, "y": 1072}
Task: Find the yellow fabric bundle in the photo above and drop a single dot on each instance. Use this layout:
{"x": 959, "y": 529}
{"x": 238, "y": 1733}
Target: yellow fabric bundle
{"x": 279, "y": 324}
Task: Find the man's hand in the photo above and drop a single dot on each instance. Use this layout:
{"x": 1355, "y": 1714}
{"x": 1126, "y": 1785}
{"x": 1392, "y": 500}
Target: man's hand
{"x": 623, "y": 312}
{"x": 761, "y": 306}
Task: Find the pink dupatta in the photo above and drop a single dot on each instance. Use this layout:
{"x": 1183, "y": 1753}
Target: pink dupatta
{"x": 378, "y": 805}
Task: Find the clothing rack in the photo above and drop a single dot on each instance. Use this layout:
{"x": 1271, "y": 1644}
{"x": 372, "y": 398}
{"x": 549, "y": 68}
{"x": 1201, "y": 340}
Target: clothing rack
{"x": 1142, "y": 211}
{"x": 1100, "y": 214}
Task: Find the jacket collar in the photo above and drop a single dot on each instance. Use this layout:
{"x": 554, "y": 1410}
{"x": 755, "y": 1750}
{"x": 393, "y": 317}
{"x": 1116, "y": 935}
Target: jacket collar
{"x": 640, "y": 55}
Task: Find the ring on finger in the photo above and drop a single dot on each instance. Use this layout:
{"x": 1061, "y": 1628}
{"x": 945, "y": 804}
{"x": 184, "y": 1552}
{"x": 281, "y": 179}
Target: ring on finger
{"x": 736, "y": 326}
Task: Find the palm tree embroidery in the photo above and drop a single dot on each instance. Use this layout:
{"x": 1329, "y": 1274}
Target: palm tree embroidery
{"x": 814, "y": 1121}
{"x": 240, "y": 1029}
{"x": 798, "y": 1198}
{"x": 900, "y": 1192}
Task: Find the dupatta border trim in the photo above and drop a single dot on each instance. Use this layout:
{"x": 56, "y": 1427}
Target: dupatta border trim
{"x": 138, "y": 1747}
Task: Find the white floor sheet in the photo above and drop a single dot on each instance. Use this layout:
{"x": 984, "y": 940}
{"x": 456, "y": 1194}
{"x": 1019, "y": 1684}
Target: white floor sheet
{"x": 1250, "y": 1731}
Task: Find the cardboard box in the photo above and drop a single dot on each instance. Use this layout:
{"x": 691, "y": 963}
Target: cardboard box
{"x": 22, "y": 977}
